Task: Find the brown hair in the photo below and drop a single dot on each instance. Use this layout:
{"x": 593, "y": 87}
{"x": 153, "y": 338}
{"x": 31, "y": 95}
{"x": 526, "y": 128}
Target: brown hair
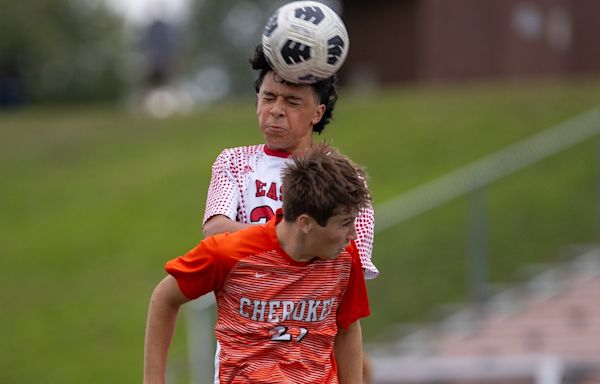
{"x": 321, "y": 182}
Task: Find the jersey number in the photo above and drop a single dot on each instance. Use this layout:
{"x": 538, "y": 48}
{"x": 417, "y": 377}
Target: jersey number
{"x": 280, "y": 333}
{"x": 262, "y": 212}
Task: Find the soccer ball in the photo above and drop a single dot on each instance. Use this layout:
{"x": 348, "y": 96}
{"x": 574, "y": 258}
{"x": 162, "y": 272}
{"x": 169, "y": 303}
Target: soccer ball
{"x": 305, "y": 41}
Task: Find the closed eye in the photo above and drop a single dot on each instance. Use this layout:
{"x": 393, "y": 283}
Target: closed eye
{"x": 294, "y": 100}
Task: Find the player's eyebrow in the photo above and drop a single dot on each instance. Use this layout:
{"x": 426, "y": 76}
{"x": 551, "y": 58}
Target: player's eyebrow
{"x": 287, "y": 96}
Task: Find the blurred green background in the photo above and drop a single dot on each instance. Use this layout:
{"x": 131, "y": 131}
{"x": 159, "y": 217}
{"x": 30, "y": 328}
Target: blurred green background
{"x": 97, "y": 193}
{"x": 94, "y": 200}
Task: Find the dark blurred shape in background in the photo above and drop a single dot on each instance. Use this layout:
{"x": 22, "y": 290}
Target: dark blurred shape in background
{"x": 433, "y": 41}
{"x": 58, "y": 51}
{"x": 12, "y": 88}
{"x": 160, "y": 49}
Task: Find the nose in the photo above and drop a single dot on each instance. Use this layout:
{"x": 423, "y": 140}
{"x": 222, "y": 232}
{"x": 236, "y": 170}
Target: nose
{"x": 278, "y": 107}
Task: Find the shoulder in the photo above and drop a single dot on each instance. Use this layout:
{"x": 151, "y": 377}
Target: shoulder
{"x": 238, "y": 157}
{"x": 241, "y": 152}
{"x": 241, "y": 243}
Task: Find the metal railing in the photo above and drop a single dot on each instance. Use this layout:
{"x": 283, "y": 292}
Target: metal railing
{"x": 477, "y": 175}
{"x": 472, "y": 180}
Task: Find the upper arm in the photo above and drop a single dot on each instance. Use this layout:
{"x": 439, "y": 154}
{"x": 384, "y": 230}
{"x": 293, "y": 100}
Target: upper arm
{"x": 352, "y": 329}
{"x": 223, "y": 196}
{"x": 168, "y": 292}
{"x": 220, "y": 224}
{"x": 348, "y": 354}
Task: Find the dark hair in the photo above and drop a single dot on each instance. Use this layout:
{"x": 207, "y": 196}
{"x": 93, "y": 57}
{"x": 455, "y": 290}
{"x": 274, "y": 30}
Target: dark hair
{"x": 322, "y": 183}
{"x": 325, "y": 89}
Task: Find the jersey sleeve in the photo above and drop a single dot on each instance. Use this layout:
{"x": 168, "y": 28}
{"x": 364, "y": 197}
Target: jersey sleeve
{"x": 355, "y": 302}
{"x": 203, "y": 269}
{"x": 223, "y": 193}
{"x": 365, "y": 223}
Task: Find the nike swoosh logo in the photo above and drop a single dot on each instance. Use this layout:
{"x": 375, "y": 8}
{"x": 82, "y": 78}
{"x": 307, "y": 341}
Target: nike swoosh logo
{"x": 259, "y": 275}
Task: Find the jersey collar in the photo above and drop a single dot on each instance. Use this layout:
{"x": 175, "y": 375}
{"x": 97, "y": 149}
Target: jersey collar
{"x": 276, "y": 153}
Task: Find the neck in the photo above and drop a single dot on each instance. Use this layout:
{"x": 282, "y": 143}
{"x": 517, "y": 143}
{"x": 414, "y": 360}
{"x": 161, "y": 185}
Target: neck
{"x": 302, "y": 145}
{"x": 290, "y": 240}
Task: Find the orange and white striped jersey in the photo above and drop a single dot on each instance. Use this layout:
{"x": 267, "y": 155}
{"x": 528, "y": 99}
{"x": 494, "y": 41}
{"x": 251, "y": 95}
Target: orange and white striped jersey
{"x": 246, "y": 186}
{"x": 277, "y": 318}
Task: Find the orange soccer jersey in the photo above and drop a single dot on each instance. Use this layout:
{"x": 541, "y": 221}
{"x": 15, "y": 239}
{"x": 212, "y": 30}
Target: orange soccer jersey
{"x": 277, "y": 318}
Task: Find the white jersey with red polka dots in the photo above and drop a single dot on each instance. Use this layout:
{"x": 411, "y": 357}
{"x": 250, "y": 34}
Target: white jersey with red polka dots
{"x": 246, "y": 186}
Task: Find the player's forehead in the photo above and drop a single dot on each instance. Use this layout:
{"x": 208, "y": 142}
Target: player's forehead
{"x": 274, "y": 84}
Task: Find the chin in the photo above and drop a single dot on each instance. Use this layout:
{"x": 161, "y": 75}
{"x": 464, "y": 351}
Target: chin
{"x": 274, "y": 145}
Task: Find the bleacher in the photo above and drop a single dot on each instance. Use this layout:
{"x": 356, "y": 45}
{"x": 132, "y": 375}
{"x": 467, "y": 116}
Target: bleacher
{"x": 545, "y": 330}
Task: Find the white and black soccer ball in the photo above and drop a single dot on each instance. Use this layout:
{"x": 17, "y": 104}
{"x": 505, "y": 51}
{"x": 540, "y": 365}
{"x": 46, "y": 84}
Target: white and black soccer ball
{"x": 305, "y": 41}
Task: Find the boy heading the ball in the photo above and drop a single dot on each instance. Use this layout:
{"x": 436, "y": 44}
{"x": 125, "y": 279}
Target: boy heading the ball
{"x": 246, "y": 185}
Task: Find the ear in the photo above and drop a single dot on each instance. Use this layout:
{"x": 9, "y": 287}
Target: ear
{"x": 257, "y": 106}
{"x": 319, "y": 114}
{"x": 305, "y": 223}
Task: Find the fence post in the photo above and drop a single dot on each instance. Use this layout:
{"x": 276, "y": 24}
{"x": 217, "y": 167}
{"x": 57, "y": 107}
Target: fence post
{"x": 201, "y": 339}
{"x": 477, "y": 245}
{"x": 598, "y": 188}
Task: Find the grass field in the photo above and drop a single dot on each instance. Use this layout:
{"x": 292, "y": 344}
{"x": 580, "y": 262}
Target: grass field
{"x": 93, "y": 201}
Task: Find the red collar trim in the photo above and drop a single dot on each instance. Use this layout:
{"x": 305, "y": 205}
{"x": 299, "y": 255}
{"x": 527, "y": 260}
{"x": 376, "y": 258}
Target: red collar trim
{"x": 276, "y": 153}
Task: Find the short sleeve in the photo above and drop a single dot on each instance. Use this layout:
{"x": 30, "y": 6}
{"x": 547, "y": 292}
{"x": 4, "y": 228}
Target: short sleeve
{"x": 355, "y": 301}
{"x": 203, "y": 269}
{"x": 365, "y": 223}
{"x": 223, "y": 196}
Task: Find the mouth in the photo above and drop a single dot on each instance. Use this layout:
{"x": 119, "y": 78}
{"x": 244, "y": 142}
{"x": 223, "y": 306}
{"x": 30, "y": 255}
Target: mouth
{"x": 275, "y": 128}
